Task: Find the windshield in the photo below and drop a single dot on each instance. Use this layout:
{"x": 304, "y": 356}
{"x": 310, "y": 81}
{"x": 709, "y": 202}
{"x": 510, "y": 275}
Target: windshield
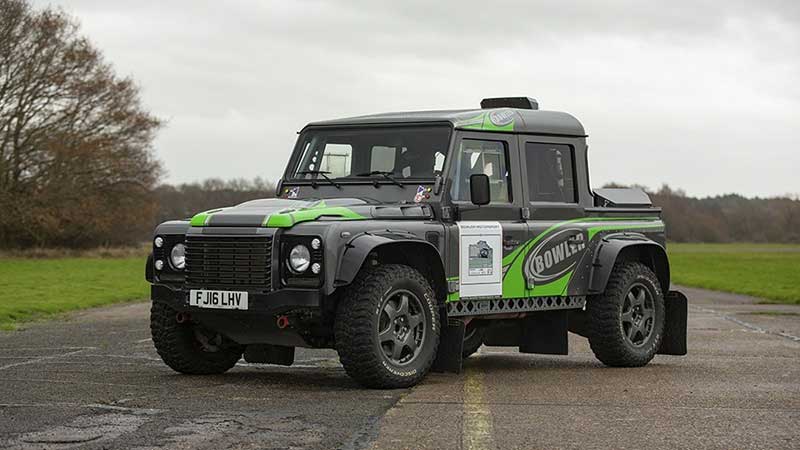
{"x": 397, "y": 152}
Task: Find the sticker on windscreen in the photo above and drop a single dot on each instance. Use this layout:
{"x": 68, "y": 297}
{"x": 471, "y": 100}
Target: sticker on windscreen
{"x": 293, "y": 192}
{"x": 420, "y": 196}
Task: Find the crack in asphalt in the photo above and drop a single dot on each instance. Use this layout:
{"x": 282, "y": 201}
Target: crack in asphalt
{"x": 747, "y": 325}
{"x": 44, "y": 358}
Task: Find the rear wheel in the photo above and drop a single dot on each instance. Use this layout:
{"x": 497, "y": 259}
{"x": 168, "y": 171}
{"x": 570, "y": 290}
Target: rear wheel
{"x": 473, "y": 338}
{"x": 627, "y": 320}
{"x": 188, "y": 347}
{"x": 387, "y": 327}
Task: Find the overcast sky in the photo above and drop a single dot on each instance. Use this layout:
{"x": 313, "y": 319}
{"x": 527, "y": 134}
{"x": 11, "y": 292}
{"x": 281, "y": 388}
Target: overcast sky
{"x": 703, "y": 95}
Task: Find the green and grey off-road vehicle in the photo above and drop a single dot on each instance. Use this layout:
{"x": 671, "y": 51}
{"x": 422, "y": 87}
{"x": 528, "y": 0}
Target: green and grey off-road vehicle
{"x": 406, "y": 241}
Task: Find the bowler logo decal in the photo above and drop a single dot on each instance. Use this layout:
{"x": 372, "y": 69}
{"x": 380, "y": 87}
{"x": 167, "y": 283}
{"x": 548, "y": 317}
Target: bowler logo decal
{"x": 293, "y": 192}
{"x": 555, "y": 256}
{"x": 502, "y": 117}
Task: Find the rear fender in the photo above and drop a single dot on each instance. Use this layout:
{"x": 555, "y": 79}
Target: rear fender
{"x": 612, "y": 249}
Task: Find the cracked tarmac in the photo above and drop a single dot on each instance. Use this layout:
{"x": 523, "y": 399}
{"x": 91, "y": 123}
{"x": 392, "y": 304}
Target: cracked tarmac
{"x": 94, "y": 381}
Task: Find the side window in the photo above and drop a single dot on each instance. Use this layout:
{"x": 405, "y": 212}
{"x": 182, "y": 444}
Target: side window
{"x": 551, "y": 176}
{"x": 336, "y": 159}
{"x": 486, "y": 157}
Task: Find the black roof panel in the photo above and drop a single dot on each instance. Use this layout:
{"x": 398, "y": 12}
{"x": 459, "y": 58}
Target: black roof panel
{"x": 498, "y": 119}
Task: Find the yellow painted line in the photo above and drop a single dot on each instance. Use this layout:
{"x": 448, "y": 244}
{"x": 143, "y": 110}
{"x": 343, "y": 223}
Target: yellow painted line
{"x": 476, "y": 427}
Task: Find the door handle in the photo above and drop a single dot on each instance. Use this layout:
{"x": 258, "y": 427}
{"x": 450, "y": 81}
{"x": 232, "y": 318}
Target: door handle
{"x": 509, "y": 244}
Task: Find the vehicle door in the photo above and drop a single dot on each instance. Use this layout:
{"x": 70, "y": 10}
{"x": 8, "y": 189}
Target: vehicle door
{"x": 556, "y": 237}
{"x": 488, "y": 233}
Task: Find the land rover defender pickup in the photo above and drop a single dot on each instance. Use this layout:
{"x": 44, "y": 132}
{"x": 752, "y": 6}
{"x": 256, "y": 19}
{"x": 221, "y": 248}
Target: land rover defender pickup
{"x": 406, "y": 241}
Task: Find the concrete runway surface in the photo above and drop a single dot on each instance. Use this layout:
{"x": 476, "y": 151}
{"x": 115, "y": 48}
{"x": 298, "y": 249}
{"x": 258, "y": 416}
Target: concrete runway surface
{"x": 93, "y": 381}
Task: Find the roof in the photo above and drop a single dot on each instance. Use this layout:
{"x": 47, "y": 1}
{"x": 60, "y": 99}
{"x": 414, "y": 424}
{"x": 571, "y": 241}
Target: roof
{"x": 498, "y": 119}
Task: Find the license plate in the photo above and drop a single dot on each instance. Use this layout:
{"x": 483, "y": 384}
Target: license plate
{"x": 218, "y": 299}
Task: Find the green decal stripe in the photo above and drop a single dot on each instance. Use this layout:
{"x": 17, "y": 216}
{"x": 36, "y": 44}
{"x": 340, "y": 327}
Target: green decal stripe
{"x": 201, "y": 219}
{"x": 489, "y": 126}
{"x": 509, "y": 259}
{"x": 454, "y": 296}
{"x": 594, "y": 230}
{"x": 289, "y": 219}
{"x": 514, "y": 283}
{"x": 557, "y": 287}
{"x": 513, "y": 255}
{"x": 484, "y": 123}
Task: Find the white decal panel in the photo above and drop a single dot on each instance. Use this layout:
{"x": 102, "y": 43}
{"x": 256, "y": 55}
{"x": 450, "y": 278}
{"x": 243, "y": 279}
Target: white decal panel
{"x": 481, "y": 252}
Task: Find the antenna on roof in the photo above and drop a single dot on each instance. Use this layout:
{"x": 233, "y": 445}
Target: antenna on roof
{"x": 510, "y": 102}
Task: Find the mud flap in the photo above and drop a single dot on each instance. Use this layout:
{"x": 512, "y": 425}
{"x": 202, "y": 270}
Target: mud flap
{"x": 269, "y": 354}
{"x": 545, "y": 333}
{"x": 451, "y": 346}
{"x": 676, "y": 312}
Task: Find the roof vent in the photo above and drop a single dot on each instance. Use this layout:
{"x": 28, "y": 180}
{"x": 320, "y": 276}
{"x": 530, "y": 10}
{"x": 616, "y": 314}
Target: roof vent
{"x": 510, "y": 102}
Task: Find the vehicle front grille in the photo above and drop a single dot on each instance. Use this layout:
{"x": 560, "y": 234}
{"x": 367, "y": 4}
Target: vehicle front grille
{"x": 228, "y": 262}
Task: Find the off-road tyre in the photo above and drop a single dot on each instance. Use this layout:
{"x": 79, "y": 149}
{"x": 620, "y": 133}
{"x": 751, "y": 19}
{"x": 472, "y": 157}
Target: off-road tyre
{"x": 473, "y": 339}
{"x": 607, "y": 335}
{"x": 178, "y": 345}
{"x": 360, "y": 314}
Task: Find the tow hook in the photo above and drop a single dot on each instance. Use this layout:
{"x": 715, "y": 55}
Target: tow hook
{"x": 182, "y": 317}
{"x": 283, "y": 322}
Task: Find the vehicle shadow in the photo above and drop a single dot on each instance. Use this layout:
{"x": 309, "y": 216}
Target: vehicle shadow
{"x": 266, "y": 376}
{"x": 513, "y": 361}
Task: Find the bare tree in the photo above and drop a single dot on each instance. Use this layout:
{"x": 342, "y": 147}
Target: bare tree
{"x": 76, "y": 163}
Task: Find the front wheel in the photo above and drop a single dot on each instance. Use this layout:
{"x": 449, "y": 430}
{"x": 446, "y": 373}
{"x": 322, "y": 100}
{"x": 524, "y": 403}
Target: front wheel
{"x": 188, "y": 347}
{"x": 387, "y": 327}
{"x": 627, "y": 320}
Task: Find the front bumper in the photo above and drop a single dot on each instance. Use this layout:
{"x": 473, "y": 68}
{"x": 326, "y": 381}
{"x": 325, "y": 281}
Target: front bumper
{"x": 257, "y": 325}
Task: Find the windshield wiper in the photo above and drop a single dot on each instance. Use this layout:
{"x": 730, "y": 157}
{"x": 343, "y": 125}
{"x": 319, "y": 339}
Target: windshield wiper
{"x": 384, "y": 174}
{"x": 319, "y": 172}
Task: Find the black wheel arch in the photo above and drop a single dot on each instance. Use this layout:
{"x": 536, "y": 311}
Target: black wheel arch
{"x": 610, "y": 251}
{"x": 392, "y": 248}
{"x": 149, "y": 270}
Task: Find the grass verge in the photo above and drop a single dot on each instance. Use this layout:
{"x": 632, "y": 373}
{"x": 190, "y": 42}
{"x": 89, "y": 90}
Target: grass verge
{"x": 767, "y": 271}
{"x": 36, "y": 288}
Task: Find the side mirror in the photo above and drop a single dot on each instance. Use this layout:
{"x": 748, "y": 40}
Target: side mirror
{"x": 479, "y": 189}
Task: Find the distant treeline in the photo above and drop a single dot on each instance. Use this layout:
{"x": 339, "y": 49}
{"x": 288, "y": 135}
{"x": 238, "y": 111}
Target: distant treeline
{"x": 727, "y": 218}
{"x": 184, "y": 200}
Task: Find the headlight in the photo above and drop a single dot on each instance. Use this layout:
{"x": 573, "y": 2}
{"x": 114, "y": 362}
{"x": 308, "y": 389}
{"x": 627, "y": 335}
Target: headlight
{"x": 299, "y": 258}
{"x": 178, "y": 256}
